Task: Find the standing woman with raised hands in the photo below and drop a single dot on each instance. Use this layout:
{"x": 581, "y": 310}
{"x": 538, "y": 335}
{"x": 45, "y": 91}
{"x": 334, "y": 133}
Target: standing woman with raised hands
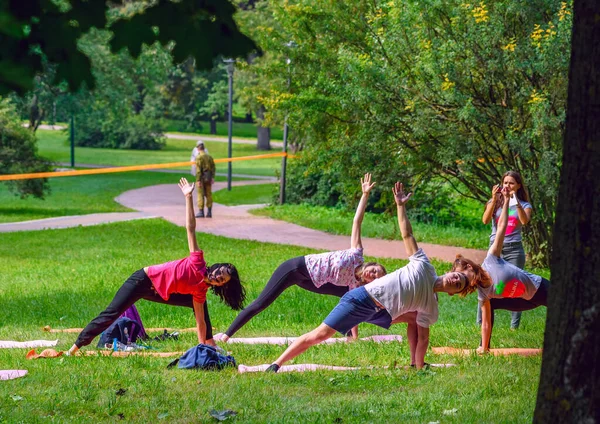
{"x": 504, "y": 286}
{"x": 519, "y": 214}
{"x": 183, "y": 282}
{"x": 331, "y": 273}
{"x": 406, "y": 295}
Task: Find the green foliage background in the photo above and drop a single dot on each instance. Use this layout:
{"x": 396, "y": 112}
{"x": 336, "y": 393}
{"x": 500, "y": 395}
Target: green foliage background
{"x": 18, "y": 154}
{"x": 442, "y": 90}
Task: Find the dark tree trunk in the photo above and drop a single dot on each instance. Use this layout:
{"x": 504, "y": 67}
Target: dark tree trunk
{"x": 213, "y": 125}
{"x": 569, "y": 390}
{"x": 138, "y": 103}
{"x": 36, "y": 113}
{"x": 263, "y": 133}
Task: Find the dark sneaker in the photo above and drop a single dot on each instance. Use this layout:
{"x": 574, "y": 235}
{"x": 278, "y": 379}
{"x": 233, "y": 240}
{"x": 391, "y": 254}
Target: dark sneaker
{"x": 273, "y": 368}
{"x": 200, "y": 214}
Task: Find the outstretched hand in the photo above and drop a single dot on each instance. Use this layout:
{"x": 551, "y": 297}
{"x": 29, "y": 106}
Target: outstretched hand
{"x": 186, "y": 188}
{"x": 366, "y": 184}
{"x": 399, "y": 196}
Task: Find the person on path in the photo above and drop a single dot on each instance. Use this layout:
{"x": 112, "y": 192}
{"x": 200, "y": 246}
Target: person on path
{"x": 504, "y": 286}
{"x": 194, "y": 155}
{"x": 331, "y": 273}
{"x": 183, "y": 282}
{"x": 519, "y": 214}
{"x": 205, "y": 177}
{"x": 407, "y": 295}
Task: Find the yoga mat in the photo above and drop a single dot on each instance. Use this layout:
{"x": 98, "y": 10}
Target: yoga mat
{"x": 49, "y": 329}
{"x": 46, "y": 353}
{"x": 10, "y": 344}
{"x": 51, "y": 353}
{"x": 314, "y": 367}
{"x": 290, "y": 340}
{"x": 495, "y": 352}
{"x": 122, "y": 354}
{"x": 12, "y": 374}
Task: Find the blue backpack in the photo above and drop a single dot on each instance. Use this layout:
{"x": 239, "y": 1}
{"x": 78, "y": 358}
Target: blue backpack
{"x": 203, "y": 357}
{"x": 125, "y": 330}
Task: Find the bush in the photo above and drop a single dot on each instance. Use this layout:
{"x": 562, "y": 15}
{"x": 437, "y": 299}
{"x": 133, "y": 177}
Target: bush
{"x": 134, "y": 132}
{"x": 18, "y": 154}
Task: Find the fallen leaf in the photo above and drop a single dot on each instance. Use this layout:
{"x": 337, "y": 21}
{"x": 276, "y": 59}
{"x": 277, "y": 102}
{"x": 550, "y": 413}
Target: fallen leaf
{"x": 452, "y": 411}
{"x": 163, "y": 415}
{"x": 121, "y": 392}
{"x": 222, "y": 415}
{"x": 16, "y": 397}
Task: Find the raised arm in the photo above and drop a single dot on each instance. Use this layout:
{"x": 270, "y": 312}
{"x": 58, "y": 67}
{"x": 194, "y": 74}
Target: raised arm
{"x": 401, "y": 198}
{"x": 366, "y": 185}
{"x": 190, "y": 220}
{"x": 489, "y": 207}
{"x": 524, "y": 214}
{"x": 496, "y": 247}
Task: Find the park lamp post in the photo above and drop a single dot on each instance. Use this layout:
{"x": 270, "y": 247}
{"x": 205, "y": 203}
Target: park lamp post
{"x": 72, "y": 133}
{"x": 289, "y": 45}
{"x": 230, "y": 66}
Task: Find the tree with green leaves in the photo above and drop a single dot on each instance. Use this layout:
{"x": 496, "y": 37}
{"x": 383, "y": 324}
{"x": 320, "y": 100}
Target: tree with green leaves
{"x": 446, "y": 90}
{"x": 34, "y": 33}
{"x": 18, "y": 154}
{"x": 31, "y": 30}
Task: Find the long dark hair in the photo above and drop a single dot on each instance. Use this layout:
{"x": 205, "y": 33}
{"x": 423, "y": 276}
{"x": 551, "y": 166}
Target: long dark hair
{"x": 522, "y": 193}
{"x": 231, "y": 293}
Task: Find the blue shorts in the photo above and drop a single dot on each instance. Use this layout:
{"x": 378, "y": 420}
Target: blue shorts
{"x": 355, "y": 307}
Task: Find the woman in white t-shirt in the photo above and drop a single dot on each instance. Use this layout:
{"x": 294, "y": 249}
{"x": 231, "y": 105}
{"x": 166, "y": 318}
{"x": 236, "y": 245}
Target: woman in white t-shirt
{"x": 331, "y": 273}
{"x": 406, "y": 295}
{"x": 504, "y": 286}
{"x": 519, "y": 215}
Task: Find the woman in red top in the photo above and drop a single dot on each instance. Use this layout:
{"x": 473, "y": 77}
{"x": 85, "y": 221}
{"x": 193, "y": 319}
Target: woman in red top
{"x": 182, "y": 283}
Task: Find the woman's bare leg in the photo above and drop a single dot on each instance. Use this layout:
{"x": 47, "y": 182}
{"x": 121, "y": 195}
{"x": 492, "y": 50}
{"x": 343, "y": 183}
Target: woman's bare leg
{"x": 411, "y": 332}
{"x": 302, "y": 343}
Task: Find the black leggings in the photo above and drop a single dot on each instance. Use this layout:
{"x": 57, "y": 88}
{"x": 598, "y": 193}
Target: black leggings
{"x": 137, "y": 287}
{"x": 540, "y": 298}
{"x": 291, "y": 272}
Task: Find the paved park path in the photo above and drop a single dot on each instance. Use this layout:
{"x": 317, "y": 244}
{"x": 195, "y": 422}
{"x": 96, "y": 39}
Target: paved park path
{"x": 165, "y": 201}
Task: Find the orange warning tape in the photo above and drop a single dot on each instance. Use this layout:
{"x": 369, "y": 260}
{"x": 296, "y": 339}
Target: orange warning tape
{"x": 12, "y": 177}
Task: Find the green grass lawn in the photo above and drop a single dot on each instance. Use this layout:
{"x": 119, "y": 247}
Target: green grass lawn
{"x": 337, "y": 221}
{"x": 54, "y": 146}
{"x": 62, "y": 278}
{"x": 79, "y": 195}
{"x": 247, "y": 195}
{"x": 240, "y": 129}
